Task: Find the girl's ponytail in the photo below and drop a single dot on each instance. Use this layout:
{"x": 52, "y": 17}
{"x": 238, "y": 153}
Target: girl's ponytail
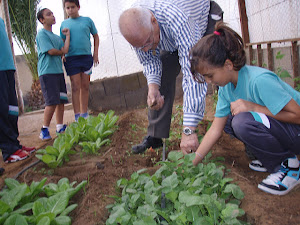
{"x": 224, "y": 43}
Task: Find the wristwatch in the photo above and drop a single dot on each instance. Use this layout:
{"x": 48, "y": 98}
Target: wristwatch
{"x": 188, "y": 131}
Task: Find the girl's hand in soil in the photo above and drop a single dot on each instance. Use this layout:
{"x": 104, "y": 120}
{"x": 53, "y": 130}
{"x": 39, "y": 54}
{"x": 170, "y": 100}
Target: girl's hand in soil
{"x": 189, "y": 143}
{"x": 241, "y": 105}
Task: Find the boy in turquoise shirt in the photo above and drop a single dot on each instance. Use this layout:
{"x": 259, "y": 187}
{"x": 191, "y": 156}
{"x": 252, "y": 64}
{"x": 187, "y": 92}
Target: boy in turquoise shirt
{"x": 50, "y": 48}
{"x": 79, "y": 60}
{"x": 11, "y": 149}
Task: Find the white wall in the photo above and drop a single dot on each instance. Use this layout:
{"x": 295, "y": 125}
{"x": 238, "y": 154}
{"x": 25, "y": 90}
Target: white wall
{"x": 115, "y": 54}
{"x": 268, "y": 20}
{"x": 231, "y": 14}
{"x": 273, "y": 19}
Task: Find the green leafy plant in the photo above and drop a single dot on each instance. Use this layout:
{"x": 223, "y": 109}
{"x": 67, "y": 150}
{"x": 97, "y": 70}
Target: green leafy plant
{"x": 215, "y": 98}
{"x": 22, "y": 204}
{"x": 297, "y": 82}
{"x": 193, "y": 195}
{"x": 282, "y": 73}
{"x": 133, "y": 126}
{"x": 63, "y": 185}
{"x": 90, "y": 133}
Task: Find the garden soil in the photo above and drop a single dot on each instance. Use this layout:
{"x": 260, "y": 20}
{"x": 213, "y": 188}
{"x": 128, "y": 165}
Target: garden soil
{"x": 116, "y": 161}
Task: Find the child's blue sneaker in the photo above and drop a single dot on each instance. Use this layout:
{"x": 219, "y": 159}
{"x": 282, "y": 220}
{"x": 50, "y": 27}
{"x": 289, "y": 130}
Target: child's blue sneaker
{"x": 45, "y": 135}
{"x": 62, "y": 129}
{"x": 284, "y": 180}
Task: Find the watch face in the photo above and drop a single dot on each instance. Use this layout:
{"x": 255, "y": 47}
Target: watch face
{"x": 187, "y": 131}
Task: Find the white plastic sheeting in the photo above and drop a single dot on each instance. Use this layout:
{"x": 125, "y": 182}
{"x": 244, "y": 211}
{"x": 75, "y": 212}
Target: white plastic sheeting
{"x": 267, "y": 20}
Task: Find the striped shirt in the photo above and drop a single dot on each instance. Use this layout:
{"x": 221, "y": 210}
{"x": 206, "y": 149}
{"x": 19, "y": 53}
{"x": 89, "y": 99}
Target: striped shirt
{"x": 182, "y": 23}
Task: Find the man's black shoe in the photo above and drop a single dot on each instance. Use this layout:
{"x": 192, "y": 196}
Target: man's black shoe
{"x": 147, "y": 142}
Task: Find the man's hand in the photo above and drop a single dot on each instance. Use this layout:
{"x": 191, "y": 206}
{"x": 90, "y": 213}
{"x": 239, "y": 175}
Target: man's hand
{"x": 189, "y": 143}
{"x": 155, "y": 101}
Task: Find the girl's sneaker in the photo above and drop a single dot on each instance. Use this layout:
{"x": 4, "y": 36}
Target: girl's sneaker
{"x": 17, "y": 156}
{"x": 284, "y": 180}
{"x": 45, "y": 135}
{"x": 257, "y": 166}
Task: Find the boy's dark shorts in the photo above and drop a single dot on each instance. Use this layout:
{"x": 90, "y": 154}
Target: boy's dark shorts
{"x": 54, "y": 89}
{"x": 79, "y": 64}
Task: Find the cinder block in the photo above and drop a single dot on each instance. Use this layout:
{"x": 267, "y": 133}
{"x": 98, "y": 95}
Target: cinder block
{"x": 112, "y": 85}
{"x": 129, "y": 83}
{"x": 108, "y": 102}
{"x": 142, "y": 80}
{"x": 96, "y": 89}
{"x": 136, "y": 98}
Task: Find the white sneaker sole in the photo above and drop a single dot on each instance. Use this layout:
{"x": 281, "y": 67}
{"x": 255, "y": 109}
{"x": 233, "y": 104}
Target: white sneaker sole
{"x": 274, "y": 192}
{"x": 258, "y": 169}
{"x": 45, "y": 139}
{"x": 16, "y": 159}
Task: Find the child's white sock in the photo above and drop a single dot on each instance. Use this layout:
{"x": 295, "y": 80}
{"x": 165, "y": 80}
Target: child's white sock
{"x": 59, "y": 126}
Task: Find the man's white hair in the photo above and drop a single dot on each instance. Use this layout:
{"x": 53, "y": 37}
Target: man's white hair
{"x": 134, "y": 19}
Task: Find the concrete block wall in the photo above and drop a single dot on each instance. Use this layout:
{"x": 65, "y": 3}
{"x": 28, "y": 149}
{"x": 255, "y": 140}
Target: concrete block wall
{"x": 126, "y": 92}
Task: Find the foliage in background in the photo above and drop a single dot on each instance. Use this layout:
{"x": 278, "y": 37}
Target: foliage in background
{"x": 193, "y": 195}
{"x": 24, "y": 28}
{"x": 90, "y": 133}
{"x": 282, "y": 73}
{"x": 22, "y": 204}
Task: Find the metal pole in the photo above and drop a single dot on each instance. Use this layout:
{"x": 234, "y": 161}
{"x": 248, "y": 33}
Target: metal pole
{"x": 163, "y": 199}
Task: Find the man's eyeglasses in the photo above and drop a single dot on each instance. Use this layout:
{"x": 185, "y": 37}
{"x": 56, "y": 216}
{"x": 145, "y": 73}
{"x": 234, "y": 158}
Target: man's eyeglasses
{"x": 149, "y": 43}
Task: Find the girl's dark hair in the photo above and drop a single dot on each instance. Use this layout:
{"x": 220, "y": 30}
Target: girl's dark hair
{"x": 215, "y": 48}
{"x": 74, "y": 1}
{"x": 40, "y": 14}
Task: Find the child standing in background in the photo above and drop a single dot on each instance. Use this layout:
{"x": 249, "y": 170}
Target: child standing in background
{"x": 10, "y": 146}
{"x": 50, "y": 48}
{"x": 79, "y": 60}
{"x": 254, "y": 105}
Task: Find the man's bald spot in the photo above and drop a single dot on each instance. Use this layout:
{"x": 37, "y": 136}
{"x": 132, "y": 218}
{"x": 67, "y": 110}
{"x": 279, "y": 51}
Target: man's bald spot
{"x": 133, "y": 22}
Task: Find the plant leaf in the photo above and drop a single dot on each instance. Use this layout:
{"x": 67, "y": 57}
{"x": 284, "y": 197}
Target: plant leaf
{"x": 44, "y": 221}
{"x": 57, "y": 203}
{"x": 16, "y": 219}
{"x": 62, "y": 220}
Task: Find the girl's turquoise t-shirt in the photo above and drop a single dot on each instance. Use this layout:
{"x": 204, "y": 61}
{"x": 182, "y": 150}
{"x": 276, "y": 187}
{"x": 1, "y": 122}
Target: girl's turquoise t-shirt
{"x": 48, "y": 64}
{"x": 6, "y": 57}
{"x": 257, "y": 85}
{"x": 80, "y": 30}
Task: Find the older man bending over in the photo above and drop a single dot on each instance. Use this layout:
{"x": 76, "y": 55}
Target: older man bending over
{"x": 162, "y": 34}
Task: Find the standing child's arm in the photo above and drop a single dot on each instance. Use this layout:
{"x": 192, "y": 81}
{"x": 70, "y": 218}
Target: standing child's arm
{"x": 65, "y": 48}
{"x": 66, "y": 32}
{"x": 210, "y": 138}
{"x": 96, "y": 48}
